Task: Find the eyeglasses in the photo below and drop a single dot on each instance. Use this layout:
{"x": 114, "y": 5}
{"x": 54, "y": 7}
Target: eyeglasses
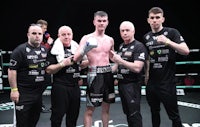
{"x": 155, "y": 17}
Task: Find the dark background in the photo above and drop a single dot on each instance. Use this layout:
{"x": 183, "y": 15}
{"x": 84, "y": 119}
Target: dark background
{"x": 17, "y": 15}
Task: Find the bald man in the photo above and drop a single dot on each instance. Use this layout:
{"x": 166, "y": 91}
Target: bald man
{"x": 26, "y": 75}
{"x": 129, "y": 61}
{"x": 65, "y": 92}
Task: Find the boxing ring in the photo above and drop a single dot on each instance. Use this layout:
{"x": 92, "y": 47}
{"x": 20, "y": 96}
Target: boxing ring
{"x": 187, "y": 74}
{"x": 187, "y": 67}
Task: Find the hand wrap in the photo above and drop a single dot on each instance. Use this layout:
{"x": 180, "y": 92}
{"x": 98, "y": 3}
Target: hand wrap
{"x": 90, "y": 44}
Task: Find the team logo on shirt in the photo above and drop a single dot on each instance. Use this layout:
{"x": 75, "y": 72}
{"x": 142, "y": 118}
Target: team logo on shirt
{"x": 142, "y": 56}
{"x": 154, "y": 38}
{"x": 181, "y": 38}
{"x": 124, "y": 49}
{"x": 42, "y": 49}
{"x": 132, "y": 47}
{"x": 70, "y": 70}
{"x": 128, "y": 54}
{"x": 165, "y": 33}
{"x": 159, "y": 51}
{"x": 13, "y": 62}
{"x": 44, "y": 55}
{"x": 152, "y": 53}
{"x": 37, "y": 52}
{"x": 147, "y": 37}
{"x": 33, "y": 66}
{"x": 32, "y": 56}
{"x": 28, "y": 49}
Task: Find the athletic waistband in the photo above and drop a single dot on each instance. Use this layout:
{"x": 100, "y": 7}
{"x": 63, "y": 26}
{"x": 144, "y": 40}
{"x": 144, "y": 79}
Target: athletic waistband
{"x": 100, "y": 69}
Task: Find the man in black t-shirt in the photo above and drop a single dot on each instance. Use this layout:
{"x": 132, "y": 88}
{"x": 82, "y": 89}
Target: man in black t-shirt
{"x": 129, "y": 63}
{"x": 26, "y": 75}
{"x": 65, "y": 92}
{"x": 162, "y": 43}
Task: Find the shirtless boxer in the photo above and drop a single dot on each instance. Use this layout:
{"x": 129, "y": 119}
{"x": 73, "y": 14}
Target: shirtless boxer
{"x": 100, "y": 90}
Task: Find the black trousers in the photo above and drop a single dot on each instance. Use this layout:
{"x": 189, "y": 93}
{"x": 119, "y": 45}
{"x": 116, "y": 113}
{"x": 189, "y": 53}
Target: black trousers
{"x": 29, "y": 106}
{"x": 65, "y": 101}
{"x": 130, "y": 95}
{"x": 157, "y": 94}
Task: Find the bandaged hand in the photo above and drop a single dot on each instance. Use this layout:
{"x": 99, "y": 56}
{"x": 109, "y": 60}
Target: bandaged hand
{"x": 90, "y": 44}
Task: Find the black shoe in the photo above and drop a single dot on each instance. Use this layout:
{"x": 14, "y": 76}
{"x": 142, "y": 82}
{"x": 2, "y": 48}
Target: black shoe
{"x": 45, "y": 109}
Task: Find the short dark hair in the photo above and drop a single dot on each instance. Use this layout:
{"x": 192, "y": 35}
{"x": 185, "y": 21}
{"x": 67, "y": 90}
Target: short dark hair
{"x": 42, "y": 22}
{"x": 100, "y": 13}
{"x": 156, "y": 10}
